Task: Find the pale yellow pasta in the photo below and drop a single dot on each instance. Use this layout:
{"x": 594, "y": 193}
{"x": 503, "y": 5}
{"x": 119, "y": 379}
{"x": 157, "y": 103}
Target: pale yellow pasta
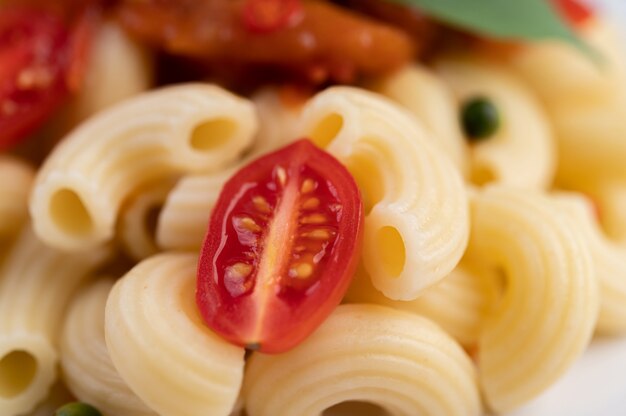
{"x": 118, "y": 67}
{"x": 586, "y": 102}
{"x": 36, "y": 284}
{"x": 278, "y": 121}
{"x": 609, "y": 260}
{"x": 459, "y": 303}
{"x": 521, "y": 151}
{"x": 185, "y": 215}
{"x": 160, "y": 345}
{"x": 136, "y": 228}
{"x": 416, "y": 224}
{"x": 548, "y": 310}
{"x": 561, "y": 73}
{"x": 397, "y": 360}
{"x": 425, "y": 95}
{"x": 85, "y": 362}
{"x": 611, "y": 200}
{"x": 16, "y": 178}
{"x": 186, "y": 128}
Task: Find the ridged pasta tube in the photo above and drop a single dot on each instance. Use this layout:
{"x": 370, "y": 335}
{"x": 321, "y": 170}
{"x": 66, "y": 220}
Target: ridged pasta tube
{"x": 16, "y": 179}
{"x": 87, "y": 367}
{"x": 416, "y": 224}
{"x": 400, "y": 361}
{"x": 185, "y": 215}
{"x": 138, "y": 222}
{"x": 521, "y": 152}
{"x": 459, "y": 303}
{"x": 549, "y": 306}
{"x": 181, "y": 129}
{"x": 609, "y": 259}
{"x": 36, "y": 284}
{"x": 425, "y": 95}
{"x": 57, "y": 397}
{"x": 162, "y": 348}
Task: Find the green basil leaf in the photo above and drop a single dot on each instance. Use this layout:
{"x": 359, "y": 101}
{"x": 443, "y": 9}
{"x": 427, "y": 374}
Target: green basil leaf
{"x": 504, "y": 19}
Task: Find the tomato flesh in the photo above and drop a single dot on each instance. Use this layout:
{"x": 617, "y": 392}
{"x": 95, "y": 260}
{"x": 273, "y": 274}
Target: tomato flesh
{"x": 574, "y": 11}
{"x": 281, "y": 248}
{"x": 33, "y": 60}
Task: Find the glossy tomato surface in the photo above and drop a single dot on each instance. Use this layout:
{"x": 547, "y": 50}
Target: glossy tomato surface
{"x": 281, "y": 248}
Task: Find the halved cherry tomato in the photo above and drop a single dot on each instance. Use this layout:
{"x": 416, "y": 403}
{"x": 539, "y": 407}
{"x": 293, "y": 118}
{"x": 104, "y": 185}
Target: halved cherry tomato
{"x": 33, "y": 60}
{"x": 281, "y": 248}
{"x": 574, "y": 11}
{"x": 266, "y": 16}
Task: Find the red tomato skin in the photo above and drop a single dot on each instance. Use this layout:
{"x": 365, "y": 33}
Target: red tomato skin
{"x": 267, "y": 16}
{"x": 33, "y": 61}
{"x": 275, "y": 314}
{"x": 574, "y": 11}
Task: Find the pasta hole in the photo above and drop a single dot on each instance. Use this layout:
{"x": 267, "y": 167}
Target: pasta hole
{"x": 327, "y": 130}
{"x": 17, "y": 371}
{"x": 482, "y": 175}
{"x": 355, "y": 408}
{"x": 70, "y": 213}
{"x": 367, "y": 176}
{"x": 392, "y": 250}
{"x": 212, "y": 134}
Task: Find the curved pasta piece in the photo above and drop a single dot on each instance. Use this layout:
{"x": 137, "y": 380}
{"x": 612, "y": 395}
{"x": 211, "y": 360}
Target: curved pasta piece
{"x": 279, "y": 119}
{"x": 416, "y": 224}
{"x": 541, "y": 64}
{"x": 611, "y": 199}
{"x": 400, "y": 361}
{"x": 459, "y": 303}
{"x": 185, "y": 215}
{"x": 549, "y": 307}
{"x": 587, "y": 102}
{"x": 186, "y": 128}
{"x": 137, "y": 225}
{"x": 521, "y": 152}
{"x": 609, "y": 260}
{"x": 16, "y": 180}
{"x": 426, "y": 96}
{"x": 162, "y": 348}
{"x": 36, "y": 284}
{"x": 87, "y": 367}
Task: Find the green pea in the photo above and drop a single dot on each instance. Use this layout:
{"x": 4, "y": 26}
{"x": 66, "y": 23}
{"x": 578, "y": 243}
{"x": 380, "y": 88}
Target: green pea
{"x": 480, "y": 118}
{"x": 77, "y": 409}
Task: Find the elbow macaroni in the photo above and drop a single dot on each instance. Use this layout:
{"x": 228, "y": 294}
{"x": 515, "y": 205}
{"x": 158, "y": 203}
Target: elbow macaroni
{"x": 87, "y": 367}
{"x": 80, "y": 188}
{"x": 192, "y": 372}
{"x": 426, "y": 96}
{"x": 400, "y": 361}
{"x": 36, "y": 283}
{"x": 521, "y": 152}
{"x": 416, "y": 223}
{"x": 547, "y": 312}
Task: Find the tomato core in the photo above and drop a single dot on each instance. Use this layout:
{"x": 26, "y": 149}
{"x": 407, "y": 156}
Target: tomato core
{"x": 281, "y": 248}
